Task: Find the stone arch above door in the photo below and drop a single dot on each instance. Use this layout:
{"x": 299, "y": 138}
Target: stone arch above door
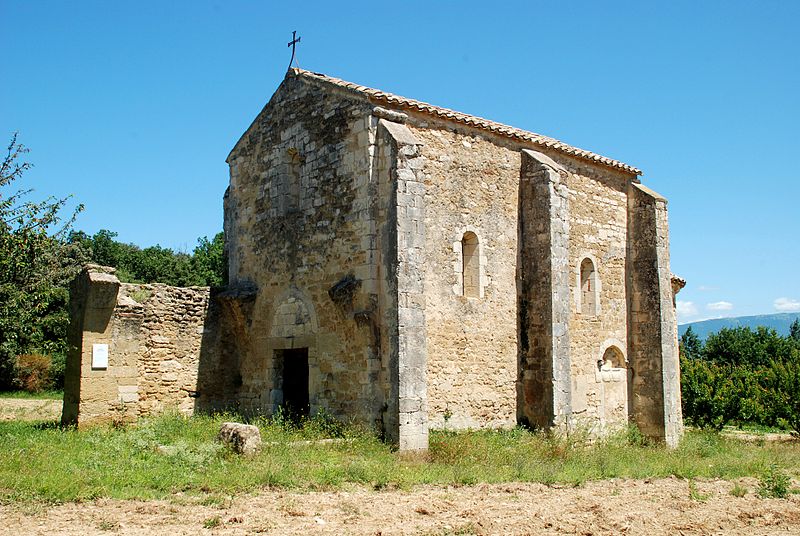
{"x": 294, "y": 315}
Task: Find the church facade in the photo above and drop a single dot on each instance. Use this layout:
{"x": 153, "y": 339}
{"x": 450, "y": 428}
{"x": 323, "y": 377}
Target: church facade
{"x": 410, "y": 267}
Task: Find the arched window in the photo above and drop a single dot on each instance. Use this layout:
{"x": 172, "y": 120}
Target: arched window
{"x": 589, "y": 295}
{"x": 470, "y": 267}
{"x": 613, "y": 358}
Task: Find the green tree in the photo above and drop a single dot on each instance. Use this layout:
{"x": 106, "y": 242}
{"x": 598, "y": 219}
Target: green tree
{"x": 794, "y": 330}
{"x": 690, "y": 344}
{"x": 206, "y": 266}
{"x": 209, "y": 261}
{"x": 36, "y": 265}
{"x": 744, "y": 346}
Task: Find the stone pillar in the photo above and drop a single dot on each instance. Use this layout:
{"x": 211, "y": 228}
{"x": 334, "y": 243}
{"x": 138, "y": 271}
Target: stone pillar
{"x": 652, "y": 346}
{"x": 93, "y": 297}
{"x": 406, "y": 423}
{"x": 544, "y": 387}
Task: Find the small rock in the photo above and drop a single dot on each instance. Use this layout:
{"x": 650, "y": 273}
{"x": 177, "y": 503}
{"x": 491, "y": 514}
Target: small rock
{"x": 167, "y": 450}
{"x": 242, "y": 438}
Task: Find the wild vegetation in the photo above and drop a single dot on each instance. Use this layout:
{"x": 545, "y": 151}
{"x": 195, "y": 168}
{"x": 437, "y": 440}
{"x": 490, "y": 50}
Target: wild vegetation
{"x": 173, "y": 454}
{"x": 40, "y": 253}
{"x": 742, "y": 376}
{"x": 205, "y": 266}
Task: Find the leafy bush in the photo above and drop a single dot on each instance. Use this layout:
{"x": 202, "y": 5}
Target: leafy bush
{"x": 707, "y": 393}
{"x": 774, "y": 484}
{"x": 58, "y": 364}
{"x": 33, "y": 372}
{"x": 783, "y": 380}
{"x": 741, "y": 375}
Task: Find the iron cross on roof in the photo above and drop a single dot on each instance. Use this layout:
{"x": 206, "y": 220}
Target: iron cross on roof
{"x": 292, "y": 44}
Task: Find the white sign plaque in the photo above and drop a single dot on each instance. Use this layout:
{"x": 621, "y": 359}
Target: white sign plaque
{"x": 99, "y": 356}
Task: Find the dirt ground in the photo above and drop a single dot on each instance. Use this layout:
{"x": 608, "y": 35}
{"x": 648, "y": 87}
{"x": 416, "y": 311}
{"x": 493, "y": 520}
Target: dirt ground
{"x": 664, "y": 506}
{"x": 22, "y": 409}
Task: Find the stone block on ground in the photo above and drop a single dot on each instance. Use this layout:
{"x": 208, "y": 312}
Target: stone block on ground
{"x": 242, "y": 438}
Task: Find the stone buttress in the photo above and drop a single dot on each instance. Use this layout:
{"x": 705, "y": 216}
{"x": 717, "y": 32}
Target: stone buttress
{"x": 652, "y": 345}
{"x": 544, "y": 387}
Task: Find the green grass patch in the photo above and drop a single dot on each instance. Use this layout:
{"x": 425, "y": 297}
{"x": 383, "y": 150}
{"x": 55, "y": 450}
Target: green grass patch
{"x": 172, "y": 454}
{"x": 755, "y": 428}
{"x": 41, "y": 395}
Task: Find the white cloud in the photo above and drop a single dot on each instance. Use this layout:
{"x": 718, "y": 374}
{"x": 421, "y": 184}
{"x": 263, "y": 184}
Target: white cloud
{"x": 719, "y": 306}
{"x": 686, "y": 309}
{"x": 786, "y": 305}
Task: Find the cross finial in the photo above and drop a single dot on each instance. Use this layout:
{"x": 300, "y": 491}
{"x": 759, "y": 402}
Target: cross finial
{"x": 292, "y": 44}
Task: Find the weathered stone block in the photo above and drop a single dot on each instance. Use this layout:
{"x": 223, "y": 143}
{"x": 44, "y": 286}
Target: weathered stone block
{"x": 241, "y": 438}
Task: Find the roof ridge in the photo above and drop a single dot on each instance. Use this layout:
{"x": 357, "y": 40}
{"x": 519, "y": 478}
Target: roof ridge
{"x": 383, "y": 97}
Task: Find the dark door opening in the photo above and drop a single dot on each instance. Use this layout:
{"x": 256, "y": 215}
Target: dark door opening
{"x": 294, "y": 381}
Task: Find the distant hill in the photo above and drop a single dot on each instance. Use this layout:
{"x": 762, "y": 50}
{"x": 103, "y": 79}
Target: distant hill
{"x": 780, "y": 322}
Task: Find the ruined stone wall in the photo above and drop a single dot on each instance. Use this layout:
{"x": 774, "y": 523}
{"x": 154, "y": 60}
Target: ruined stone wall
{"x": 305, "y": 223}
{"x": 161, "y": 341}
{"x": 471, "y": 185}
{"x": 171, "y": 344}
{"x": 598, "y": 232}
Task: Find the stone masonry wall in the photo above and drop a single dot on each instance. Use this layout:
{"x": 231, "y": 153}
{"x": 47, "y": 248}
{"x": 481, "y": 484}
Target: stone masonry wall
{"x": 174, "y": 321}
{"x": 306, "y": 227}
{"x": 598, "y": 224}
{"x": 159, "y": 339}
{"x": 471, "y": 185}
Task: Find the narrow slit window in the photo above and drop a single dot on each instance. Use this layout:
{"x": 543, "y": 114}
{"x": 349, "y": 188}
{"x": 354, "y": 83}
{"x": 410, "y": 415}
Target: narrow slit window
{"x": 471, "y": 272}
{"x": 588, "y": 288}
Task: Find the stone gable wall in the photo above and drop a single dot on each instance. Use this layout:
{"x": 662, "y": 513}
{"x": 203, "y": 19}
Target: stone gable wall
{"x": 306, "y": 230}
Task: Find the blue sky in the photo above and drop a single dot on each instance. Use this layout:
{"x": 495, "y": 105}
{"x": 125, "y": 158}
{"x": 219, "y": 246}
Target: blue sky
{"x": 132, "y": 107}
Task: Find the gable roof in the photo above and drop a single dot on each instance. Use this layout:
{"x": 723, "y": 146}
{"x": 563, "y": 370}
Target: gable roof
{"x": 377, "y": 96}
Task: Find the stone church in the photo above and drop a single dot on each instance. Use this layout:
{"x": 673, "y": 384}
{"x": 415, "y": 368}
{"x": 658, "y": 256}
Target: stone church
{"x": 406, "y": 267}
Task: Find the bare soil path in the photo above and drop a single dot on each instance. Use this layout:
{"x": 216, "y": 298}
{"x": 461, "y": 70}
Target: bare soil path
{"x": 664, "y": 506}
{"x": 28, "y": 409}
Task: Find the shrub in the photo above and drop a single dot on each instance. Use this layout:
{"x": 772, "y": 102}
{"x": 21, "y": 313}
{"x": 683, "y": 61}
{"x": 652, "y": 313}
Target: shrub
{"x": 32, "y": 372}
{"x": 783, "y": 381}
{"x": 774, "y": 484}
{"x": 738, "y": 491}
{"x": 58, "y": 364}
{"x": 707, "y": 393}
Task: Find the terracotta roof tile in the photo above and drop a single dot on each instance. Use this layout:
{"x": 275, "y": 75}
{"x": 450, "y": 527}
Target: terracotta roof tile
{"x": 381, "y": 97}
